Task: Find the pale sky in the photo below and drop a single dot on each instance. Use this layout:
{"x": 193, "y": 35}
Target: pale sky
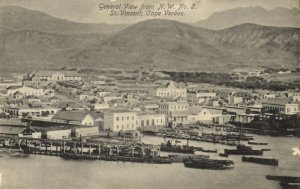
{"x": 88, "y": 11}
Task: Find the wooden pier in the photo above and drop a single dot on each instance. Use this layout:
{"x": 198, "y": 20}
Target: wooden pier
{"x": 82, "y": 150}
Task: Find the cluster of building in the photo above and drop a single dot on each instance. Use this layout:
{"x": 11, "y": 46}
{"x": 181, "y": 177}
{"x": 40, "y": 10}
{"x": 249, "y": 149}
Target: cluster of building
{"x": 66, "y": 104}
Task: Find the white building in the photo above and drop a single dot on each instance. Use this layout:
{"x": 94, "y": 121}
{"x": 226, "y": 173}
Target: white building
{"x": 25, "y": 90}
{"x": 85, "y": 131}
{"x": 120, "y": 120}
{"x": 74, "y": 118}
{"x": 59, "y": 134}
{"x": 147, "y": 119}
{"x": 208, "y": 115}
{"x": 282, "y": 106}
{"x": 170, "y": 90}
{"x": 174, "y": 110}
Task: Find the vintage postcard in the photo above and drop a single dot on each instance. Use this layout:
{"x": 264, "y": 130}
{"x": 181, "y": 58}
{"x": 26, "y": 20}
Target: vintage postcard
{"x": 143, "y": 94}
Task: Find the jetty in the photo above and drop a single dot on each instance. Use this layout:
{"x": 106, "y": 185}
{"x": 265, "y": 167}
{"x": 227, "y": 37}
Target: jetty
{"x": 70, "y": 149}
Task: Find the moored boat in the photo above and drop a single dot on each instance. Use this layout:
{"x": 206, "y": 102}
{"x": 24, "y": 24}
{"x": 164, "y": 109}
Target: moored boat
{"x": 186, "y": 149}
{"x": 243, "y": 150}
{"x": 177, "y": 149}
{"x": 257, "y": 143}
{"x": 208, "y": 151}
{"x": 265, "y": 161}
{"x": 208, "y": 164}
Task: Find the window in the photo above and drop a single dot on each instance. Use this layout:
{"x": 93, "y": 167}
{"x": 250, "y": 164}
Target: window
{"x": 127, "y": 117}
{"x": 117, "y": 126}
{"x": 122, "y": 118}
{"x": 117, "y": 118}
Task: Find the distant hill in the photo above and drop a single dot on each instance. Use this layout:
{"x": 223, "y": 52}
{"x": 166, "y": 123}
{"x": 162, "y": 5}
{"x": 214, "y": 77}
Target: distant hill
{"x": 29, "y": 49}
{"x": 18, "y": 18}
{"x": 174, "y": 45}
{"x": 281, "y": 17}
{"x": 156, "y": 44}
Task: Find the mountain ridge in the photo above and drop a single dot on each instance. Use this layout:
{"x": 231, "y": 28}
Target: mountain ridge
{"x": 280, "y": 16}
{"x": 19, "y": 18}
{"x": 154, "y": 43}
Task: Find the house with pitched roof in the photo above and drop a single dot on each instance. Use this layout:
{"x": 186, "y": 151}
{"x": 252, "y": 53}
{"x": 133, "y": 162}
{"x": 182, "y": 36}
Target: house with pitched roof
{"x": 74, "y": 118}
{"x": 208, "y": 114}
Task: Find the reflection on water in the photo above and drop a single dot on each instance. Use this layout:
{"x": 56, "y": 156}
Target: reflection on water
{"x": 35, "y": 171}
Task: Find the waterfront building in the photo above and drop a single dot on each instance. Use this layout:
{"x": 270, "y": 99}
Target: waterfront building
{"x": 85, "y": 131}
{"x": 120, "y": 120}
{"x": 74, "y": 118}
{"x": 208, "y": 115}
{"x": 174, "y": 111}
{"x": 282, "y": 106}
{"x": 146, "y": 119}
{"x": 59, "y": 134}
{"x": 170, "y": 90}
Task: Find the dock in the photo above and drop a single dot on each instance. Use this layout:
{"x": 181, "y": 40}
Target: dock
{"x": 70, "y": 149}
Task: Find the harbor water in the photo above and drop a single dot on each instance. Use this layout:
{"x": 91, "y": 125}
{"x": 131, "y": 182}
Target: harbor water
{"x": 18, "y": 170}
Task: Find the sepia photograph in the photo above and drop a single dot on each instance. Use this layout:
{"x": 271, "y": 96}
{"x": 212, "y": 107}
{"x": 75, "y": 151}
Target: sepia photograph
{"x": 150, "y": 94}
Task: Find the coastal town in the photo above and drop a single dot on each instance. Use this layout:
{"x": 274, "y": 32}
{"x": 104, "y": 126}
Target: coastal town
{"x": 124, "y": 102}
{"x": 150, "y": 94}
{"x": 79, "y": 114}
{"x": 110, "y": 115}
